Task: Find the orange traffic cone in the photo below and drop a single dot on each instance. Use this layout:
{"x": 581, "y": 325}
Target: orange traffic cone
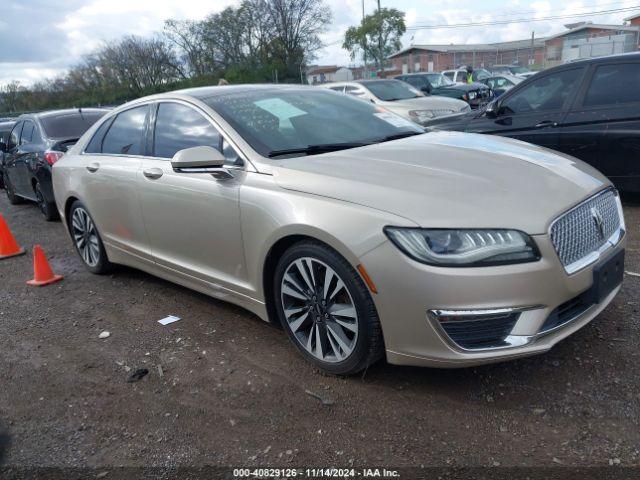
{"x": 42, "y": 273}
{"x": 8, "y": 245}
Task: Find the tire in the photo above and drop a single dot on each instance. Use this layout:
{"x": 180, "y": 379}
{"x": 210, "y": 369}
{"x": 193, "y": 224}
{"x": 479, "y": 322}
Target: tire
{"x": 11, "y": 194}
{"x": 47, "y": 209}
{"x": 341, "y": 336}
{"x": 94, "y": 258}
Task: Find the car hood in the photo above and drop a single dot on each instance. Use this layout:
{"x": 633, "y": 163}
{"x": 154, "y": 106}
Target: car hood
{"x": 449, "y": 180}
{"x": 424, "y": 103}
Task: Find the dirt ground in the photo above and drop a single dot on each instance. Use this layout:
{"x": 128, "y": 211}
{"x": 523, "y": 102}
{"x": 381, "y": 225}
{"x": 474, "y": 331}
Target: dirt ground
{"x": 234, "y": 392}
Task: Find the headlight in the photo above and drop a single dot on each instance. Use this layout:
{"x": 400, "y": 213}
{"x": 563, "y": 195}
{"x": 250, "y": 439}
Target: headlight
{"x": 472, "y": 95}
{"x": 421, "y": 115}
{"x": 464, "y": 248}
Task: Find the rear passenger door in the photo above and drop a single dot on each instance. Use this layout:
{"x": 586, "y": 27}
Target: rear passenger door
{"x": 28, "y": 153}
{"x": 603, "y": 127}
{"x": 192, "y": 219}
{"x": 109, "y": 182}
{"x": 19, "y": 157}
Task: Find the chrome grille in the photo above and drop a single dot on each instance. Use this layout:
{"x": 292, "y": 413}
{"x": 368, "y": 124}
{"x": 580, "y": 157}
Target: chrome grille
{"x": 586, "y": 228}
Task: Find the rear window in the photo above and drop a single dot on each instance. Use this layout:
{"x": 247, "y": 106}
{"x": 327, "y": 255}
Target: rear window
{"x": 70, "y": 125}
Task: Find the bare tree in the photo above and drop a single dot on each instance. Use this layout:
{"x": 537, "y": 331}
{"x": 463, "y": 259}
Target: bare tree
{"x": 10, "y": 96}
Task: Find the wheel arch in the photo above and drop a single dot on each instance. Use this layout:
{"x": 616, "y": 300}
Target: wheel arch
{"x": 280, "y": 245}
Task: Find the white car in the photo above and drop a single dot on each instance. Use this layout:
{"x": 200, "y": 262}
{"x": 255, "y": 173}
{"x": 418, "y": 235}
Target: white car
{"x": 401, "y": 98}
{"x": 460, "y": 75}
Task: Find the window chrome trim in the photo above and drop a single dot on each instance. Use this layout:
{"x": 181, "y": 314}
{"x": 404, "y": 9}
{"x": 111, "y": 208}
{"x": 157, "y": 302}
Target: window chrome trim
{"x": 247, "y": 165}
{"x": 611, "y": 242}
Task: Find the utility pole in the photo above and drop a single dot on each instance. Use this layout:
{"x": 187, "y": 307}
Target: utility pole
{"x": 532, "y": 54}
{"x": 364, "y": 53}
{"x": 380, "y": 46}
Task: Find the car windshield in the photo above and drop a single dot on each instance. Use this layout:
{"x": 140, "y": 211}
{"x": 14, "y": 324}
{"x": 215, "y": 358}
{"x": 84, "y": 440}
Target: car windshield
{"x": 438, "y": 80}
{"x": 392, "y": 90}
{"x": 274, "y": 121}
{"x": 517, "y": 70}
{"x": 70, "y": 125}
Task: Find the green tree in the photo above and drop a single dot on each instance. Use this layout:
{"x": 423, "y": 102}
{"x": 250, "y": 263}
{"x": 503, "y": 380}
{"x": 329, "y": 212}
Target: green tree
{"x": 378, "y": 36}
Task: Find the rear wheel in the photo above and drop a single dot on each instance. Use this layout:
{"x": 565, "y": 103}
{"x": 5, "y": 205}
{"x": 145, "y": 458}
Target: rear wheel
{"x": 11, "y": 193}
{"x": 326, "y": 309}
{"x": 48, "y": 209}
{"x": 87, "y": 240}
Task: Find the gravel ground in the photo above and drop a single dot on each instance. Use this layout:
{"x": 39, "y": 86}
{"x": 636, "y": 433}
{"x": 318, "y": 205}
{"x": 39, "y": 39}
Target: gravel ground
{"x": 234, "y": 392}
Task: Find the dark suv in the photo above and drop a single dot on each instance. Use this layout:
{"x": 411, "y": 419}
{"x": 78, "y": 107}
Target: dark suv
{"x": 589, "y": 109}
{"x": 36, "y": 142}
{"x": 476, "y": 94}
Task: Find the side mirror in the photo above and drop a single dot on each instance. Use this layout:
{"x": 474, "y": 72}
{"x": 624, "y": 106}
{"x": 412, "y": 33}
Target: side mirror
{"x": 200, "y": 160}
{"x": 426, "y": 89}
{"x": 492, "y": 109}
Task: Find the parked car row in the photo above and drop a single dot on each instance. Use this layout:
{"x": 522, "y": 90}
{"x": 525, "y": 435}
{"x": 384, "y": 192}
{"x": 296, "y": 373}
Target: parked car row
{"x": 35, "y": 142}
{"x": 476, "y": 94}
{"x": 401, "y": 99}
{"x": 333, "y": 212}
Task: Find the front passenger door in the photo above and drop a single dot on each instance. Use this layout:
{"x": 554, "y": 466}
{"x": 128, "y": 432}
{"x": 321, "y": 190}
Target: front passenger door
{"x": 535, "y": 112}
{"x": 193, "y": 219}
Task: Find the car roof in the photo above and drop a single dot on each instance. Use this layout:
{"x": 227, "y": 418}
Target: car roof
{"x": 635, "y": 56}
{"x": 208, "y": 92}
{"x": 61, "y": 112}
{"x": 414, "y": 74}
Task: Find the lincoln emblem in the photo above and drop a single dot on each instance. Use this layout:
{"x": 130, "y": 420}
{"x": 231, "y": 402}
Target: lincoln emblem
{"x": 597, "y": 219}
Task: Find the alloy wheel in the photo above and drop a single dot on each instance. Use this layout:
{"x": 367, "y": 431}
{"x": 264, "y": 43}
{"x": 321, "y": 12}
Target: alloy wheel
{"x": 85, "y": 236}
{"x": 319, "y": 310}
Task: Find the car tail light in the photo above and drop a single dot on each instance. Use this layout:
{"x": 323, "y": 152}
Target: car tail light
{"x": 52, "y": 156}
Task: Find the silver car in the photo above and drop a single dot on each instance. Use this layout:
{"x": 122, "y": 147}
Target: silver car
{"x": 362, "y": 235}
{"x": 401, "y": 98}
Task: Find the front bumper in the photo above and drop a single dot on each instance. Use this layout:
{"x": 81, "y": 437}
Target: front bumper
{"x": 411, "y": 294}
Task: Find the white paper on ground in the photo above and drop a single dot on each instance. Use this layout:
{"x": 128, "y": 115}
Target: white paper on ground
{"x": 168, "y": 320}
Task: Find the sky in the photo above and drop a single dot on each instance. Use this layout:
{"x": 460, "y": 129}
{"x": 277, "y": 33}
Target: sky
{"x": 42, "y": 38}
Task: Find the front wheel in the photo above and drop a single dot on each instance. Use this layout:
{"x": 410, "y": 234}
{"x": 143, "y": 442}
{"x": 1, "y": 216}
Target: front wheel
{"x": 326, "y": 309}
{"x": 87, "y": 240}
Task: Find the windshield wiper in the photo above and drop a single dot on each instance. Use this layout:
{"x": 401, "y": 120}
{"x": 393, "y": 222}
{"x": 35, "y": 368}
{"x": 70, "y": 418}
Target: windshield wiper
{"x": 315, "y": 149}
{"x": 398, "y": 136}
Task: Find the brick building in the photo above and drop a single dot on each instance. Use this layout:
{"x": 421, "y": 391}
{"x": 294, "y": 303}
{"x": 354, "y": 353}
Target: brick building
{"x": 580, "y": 40}
{"x": 428, "y": 58}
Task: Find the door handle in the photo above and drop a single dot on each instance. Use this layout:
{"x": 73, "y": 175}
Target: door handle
{"x": 152, "y": 173}
{"x": 93, "y": 167}
{"x": 546, "y": 124}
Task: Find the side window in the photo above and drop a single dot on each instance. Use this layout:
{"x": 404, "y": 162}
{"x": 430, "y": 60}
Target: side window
{"x": 179, "y": 127}
{"x": 613, "y": 85}
{"x": 337, "y": 89}
{"x": 449, "y": 75}
{"x": 95, "y": 144}
{"x": 14, "y": 138}
{"x": 125, "y": 136}
{"x": 27, "y": 133}
{"x": 544, "y": 94}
